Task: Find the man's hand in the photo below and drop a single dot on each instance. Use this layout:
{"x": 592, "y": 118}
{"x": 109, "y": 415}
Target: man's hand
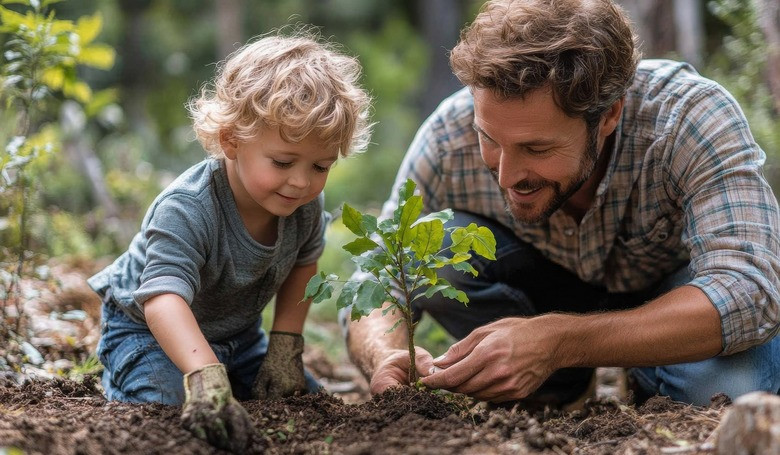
{"x": 393, "y": 370}
{"x": 211, "y": 413}
{"x": 281, "y": 373}
{"x": 501, "y": 361}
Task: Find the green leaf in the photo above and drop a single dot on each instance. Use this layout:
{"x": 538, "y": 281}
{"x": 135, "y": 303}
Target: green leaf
{"x": 352, "y": 219}
{"x": 409, "y": 213}
{"x": 407, "y": 190}
{"x": 430, "y": 274}
{"x": 100, "y": 100}
{"x": 360, "y": 245}
{"x": 465, "y": 267}
{"x": 315, "y": 287}
{"x": 370, "y": 296}
{"x": 97, "y": 56}
{"x": 77, "y": 90}
{"x": 458, "y": 258}
{"x": 461, "y": 240}
{"x": 404, "y": 193}
{"x": 434, "y": 289}
{"x": 447, "y": 290}
{"x": 484, "y": 243}
{"x": 428, "y": 238}
{"x": 347, "y": 295}
{"x": 368, "y": 224}
{"x": 368, "y": 263}
{"x": 443, "y": 216}
{"x": 88, "y": 27}
{"x": 397, "y": 323}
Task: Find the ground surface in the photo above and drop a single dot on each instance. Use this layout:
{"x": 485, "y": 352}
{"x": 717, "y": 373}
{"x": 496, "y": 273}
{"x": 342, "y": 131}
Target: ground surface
{"x": 42, "y": 413}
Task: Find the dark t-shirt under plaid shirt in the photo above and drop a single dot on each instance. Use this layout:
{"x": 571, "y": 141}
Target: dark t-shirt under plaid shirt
{"x": 684, "y": 185}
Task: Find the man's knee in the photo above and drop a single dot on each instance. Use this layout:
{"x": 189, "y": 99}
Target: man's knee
{"x": 755, "y": 369}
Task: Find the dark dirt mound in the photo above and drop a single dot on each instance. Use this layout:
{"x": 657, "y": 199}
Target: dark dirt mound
{"x": 65, "y": 417}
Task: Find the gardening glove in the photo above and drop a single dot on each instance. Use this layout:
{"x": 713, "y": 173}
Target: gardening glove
{"x": 211, "y": 413}
{"x": 281, "y": 374}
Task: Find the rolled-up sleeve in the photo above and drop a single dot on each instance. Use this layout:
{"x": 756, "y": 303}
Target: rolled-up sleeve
{"x": 176, "y": 245}
{"x": 731, "y": 217}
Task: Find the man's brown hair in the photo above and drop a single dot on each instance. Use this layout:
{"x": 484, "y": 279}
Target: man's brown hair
{"x": 584, "y": 50}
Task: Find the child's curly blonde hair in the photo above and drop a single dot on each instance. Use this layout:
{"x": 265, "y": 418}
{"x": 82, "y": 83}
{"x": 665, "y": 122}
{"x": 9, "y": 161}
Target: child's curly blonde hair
{"x": 296, "y": 83}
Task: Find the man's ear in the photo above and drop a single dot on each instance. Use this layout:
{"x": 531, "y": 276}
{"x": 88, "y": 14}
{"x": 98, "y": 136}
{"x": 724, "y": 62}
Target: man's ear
{"x": 228, "y": 142}
{"x": 611, "y": 118}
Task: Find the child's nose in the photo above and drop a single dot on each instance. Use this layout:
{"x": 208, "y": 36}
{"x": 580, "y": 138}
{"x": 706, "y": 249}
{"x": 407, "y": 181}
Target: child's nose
{"x": 298, "y": 180}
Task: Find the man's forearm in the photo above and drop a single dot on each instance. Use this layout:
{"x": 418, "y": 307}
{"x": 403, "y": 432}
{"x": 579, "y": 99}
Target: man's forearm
{"x": 369, "y": 340}
{"x": 680, "y": 326}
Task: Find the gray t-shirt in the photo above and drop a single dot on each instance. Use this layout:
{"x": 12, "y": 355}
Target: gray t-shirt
{"x": 193, "y": 243}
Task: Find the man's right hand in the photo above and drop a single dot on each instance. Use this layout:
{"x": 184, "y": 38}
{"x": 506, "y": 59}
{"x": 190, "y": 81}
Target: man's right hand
{"x": 393, "y": 369}
{"x": 211, "y": 413}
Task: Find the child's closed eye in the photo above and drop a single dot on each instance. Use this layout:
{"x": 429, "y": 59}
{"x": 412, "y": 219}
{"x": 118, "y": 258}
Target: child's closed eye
{"x": 322, "y": 169}
{"x": 282, "y": 164}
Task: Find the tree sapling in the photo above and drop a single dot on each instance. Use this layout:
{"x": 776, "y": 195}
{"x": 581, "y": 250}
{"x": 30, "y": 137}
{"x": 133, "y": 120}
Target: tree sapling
{"x": 403, "y": 254}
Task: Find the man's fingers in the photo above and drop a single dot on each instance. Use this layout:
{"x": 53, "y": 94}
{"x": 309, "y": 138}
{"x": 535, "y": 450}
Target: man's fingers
{"x": 459, "y": 350}
{"x": 451, "y": 377}
{"x": 423, "y": 361}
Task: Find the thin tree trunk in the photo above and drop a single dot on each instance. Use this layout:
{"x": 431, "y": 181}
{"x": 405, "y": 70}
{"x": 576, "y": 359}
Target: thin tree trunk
{"x": 768, "y": 12}
{"x": 654, "y": 24}
{"x": 440, "y": 21}
{"x": 689, "y": 30}
{"x": 230, "y": 35}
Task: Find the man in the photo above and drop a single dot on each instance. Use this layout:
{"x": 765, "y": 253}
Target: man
{"x": 634, "y": 225}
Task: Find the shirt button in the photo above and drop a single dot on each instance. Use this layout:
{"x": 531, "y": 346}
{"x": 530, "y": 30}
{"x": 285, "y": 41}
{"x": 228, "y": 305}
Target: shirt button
{"x": 568, "y": 232}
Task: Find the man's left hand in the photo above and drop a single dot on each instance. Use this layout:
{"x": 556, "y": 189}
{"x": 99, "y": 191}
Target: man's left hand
{"x": 281, "y": 373}
{"x": 501, "y": 361}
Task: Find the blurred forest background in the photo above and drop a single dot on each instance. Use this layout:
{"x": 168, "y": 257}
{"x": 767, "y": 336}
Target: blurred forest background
{"x": 87, "y": 145}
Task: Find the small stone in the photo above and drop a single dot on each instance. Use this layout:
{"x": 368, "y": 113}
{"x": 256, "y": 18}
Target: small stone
{"x": 751, "y": 426}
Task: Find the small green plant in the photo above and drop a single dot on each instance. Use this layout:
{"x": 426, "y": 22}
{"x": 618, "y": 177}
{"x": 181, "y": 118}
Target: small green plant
{"x": 40, "y": 58}
{"x": 403, "y": 254}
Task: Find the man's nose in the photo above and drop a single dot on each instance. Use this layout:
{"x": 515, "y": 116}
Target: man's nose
{"x": 511, "y": 170}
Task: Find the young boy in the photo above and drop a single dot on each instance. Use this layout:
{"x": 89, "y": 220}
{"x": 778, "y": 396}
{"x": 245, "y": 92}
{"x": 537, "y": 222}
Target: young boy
{"x": 182, "y": 307}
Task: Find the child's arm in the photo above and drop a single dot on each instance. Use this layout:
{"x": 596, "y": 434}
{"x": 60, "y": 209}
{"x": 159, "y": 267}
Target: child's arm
{"x": 281, "y": 373}
{"x": 290, "y": 312}
{"x": 210, "y": 412}
{"x": 173, "y": 325}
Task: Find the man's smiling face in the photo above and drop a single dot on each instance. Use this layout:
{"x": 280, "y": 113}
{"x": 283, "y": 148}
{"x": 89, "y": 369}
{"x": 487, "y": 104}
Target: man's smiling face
{"x": 539, "y": 156}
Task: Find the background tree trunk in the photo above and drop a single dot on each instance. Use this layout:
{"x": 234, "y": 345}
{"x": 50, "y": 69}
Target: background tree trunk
{"x": 440, "y": 21}
{"x": 768, "y": 14}
{"x": 689, "y": 30}
{"x": 654, "y": 24}
{"x": 230, "y": 26}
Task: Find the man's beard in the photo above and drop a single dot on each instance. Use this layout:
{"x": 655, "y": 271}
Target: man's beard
{"x": 560, "y": 195}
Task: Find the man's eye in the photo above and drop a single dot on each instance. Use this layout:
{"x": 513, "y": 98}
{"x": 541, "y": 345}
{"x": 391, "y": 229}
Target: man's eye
{"x": 485, "y": 139}
{"x": 282, "y": 164}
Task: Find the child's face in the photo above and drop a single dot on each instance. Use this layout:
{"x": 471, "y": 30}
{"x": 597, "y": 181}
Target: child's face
{"x": 271, "y": 176}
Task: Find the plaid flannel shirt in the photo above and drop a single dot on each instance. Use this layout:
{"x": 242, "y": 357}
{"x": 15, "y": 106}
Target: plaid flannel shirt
{"x": 684, "y": 186}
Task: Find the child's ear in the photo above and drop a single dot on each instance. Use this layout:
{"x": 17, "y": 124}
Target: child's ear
{"x": 228, "y": 142}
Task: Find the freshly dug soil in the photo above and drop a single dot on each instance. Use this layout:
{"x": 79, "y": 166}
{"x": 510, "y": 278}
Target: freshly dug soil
{"x": 65, "y": 417}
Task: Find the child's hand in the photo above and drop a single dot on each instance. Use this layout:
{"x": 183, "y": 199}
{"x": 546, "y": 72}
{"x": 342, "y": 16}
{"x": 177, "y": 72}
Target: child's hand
{"x": 281, "y": 374}
{"x": 211, "y": 413}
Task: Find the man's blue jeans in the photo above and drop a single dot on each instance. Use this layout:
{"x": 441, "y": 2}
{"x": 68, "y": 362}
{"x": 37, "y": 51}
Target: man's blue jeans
{"x": 138, "y": 370}
{"x": 521, "y": 282}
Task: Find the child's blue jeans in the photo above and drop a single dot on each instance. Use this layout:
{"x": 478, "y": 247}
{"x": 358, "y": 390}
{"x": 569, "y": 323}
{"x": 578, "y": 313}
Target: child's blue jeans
{"x": 521, "y": 282}
{"x": 138, "y": 370}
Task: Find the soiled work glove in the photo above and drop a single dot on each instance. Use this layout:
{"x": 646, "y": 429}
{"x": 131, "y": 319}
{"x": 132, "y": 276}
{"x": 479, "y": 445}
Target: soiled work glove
{"x": 281, "y": 373}
{"x": 211, "y": 413}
